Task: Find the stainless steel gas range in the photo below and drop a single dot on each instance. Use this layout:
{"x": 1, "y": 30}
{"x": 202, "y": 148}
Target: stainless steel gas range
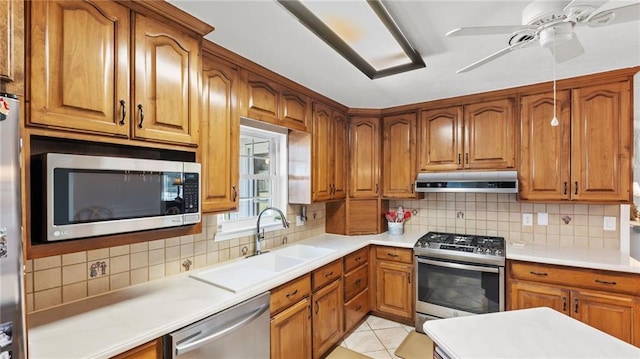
{"x": 457, "y": 275}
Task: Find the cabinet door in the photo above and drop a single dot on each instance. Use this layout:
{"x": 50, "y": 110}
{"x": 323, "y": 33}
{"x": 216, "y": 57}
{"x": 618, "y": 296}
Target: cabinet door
{"x": 602, "y": 141}
{"x": 365, "y": 216}
{"x": 440, "y": 141}
{"x": 364, "y": 152}
{"x": 394, "y": 289}
{"x": 291, "y": 332}
{"x": 489, "y": 135}
{"x": 322, "y": 175}
{"x": 80, "y": 63}
{"x": 220, "y": 135}
{"x": 545, "y": 149}
{"x": 327, "y": 317}
{"x": 399, "y": 150}
{"x": 613, "y": 314}
{"x": 7, "y": 34}
{"x": 261, "y": 99}
{"x": 525, "y": 295}
{"x": 339, "y": 130}
{"x": 296, "y": 110}
{"x": 166, "y": 62}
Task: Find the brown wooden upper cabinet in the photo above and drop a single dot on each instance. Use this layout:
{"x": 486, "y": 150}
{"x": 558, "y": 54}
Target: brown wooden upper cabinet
{"x": 220, "y": 135}
{"x": 399, "y": 155}
{"x": 84, "y": 56}
{"x": 475, "y": 136}
{"x": 269, "y": 101}
{"x": 586, "y": 157}
{"x": 329, "y": 144}
{"x": 364, "y": 152}
{"x": 7, "y": 33}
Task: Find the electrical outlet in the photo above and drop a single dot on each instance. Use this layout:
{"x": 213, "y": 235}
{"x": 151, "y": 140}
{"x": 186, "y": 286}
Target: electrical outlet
{"x": 527, "y": 219}
{"x": 543, "y": 218}
{"x": 609, "y": 223}
{"x": 299, "y": 221}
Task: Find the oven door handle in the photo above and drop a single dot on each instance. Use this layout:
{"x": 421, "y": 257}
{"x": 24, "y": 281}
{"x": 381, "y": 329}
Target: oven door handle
{"x": 458, "y": 265}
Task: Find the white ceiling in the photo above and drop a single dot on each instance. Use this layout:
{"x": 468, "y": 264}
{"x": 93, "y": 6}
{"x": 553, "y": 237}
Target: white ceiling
{"x": 265, "y": 33}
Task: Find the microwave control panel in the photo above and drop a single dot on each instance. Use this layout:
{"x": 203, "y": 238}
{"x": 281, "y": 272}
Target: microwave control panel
{"x": 191, "y": 193}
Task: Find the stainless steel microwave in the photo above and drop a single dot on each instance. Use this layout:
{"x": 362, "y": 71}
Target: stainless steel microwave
{"x": 88, "y": 196}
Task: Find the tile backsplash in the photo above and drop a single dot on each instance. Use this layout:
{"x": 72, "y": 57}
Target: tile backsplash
{"x": 61, "y": 279}
{"x": 501, "y": 215}
{"x": 65, "y": 278}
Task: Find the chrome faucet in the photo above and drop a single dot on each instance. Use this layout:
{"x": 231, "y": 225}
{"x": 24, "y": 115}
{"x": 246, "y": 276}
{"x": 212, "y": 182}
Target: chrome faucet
{"x": 260, "y": 236}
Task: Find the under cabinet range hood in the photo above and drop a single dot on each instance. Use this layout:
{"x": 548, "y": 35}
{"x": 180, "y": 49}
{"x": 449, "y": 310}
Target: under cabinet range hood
{"x": 470, "y": 182}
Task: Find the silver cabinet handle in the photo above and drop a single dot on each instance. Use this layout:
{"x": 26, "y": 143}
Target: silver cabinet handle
{"x": 196, "y": 342}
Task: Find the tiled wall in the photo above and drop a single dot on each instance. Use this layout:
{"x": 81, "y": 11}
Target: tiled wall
{"x": 501, "y": 214}
{"x": 61, "y": 279}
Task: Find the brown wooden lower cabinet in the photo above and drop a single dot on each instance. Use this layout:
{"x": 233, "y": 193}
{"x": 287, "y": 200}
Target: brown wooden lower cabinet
{"x": 356, "y": 288}
{"x": 291, "y": 332}
{"x": 394, "y": 287}
{"x": 613, "y": 309}
{"x": 327, "y": 318}
{"x": 150, "y": 350}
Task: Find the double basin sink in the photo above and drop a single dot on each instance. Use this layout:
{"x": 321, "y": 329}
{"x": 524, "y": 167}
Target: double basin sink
{"x": 246, "y": 272}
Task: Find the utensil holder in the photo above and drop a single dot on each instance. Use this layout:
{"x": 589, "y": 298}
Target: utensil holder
{"x": 395, "y": 229}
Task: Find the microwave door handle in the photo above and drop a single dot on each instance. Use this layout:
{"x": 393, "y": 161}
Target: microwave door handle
{"x": 458, "y": 266}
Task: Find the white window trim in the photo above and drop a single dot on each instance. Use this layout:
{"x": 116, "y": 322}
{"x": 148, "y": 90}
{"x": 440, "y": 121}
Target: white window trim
{"x": 227, "y": 230}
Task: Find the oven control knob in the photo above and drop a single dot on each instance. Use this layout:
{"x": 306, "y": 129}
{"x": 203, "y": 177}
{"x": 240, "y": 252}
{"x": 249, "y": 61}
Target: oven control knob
{"x": 499, "y": 252}
{"x": 488, "y": 250}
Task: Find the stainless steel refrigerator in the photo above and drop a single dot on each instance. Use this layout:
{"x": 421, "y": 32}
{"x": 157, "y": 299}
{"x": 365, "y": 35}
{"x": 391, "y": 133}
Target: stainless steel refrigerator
{"x": 12, "y": 311}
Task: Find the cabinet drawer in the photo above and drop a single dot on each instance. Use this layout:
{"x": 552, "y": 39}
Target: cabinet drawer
{"x": 327, "y": 274}
{"x": 577, "y": 277}
{"x": 290, "y": 293}
{"x": 403, "y": 255}
{"x": 356, "y": 259}
{"x": 356, "y": 309}
{"x": 355, "y": 282}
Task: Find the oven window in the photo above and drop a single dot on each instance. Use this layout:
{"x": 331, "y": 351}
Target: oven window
{"x": 82, "y": 196}
{"x": 470, "y": 291}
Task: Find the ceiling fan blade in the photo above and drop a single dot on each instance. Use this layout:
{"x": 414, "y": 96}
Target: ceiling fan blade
{"x": 487, "y": 30}
{"x": 568, "y": 50}
{"x": 495, "y": 55}
{"x": 615, "y": 16}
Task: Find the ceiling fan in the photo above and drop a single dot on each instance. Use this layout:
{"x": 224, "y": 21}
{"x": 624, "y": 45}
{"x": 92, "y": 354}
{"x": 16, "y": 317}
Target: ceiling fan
{"x": 551, "y": 23}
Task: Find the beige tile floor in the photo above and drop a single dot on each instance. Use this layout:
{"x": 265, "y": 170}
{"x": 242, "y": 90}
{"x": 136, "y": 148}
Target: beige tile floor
{"x": 377, "y": 337}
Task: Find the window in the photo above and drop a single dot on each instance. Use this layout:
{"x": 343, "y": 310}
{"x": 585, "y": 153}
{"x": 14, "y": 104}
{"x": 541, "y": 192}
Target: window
{"x": 263, "y": 182}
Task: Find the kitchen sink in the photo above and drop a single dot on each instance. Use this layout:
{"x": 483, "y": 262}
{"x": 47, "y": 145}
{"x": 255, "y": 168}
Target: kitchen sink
{"x": 304, "y": 251}
{"x": 273, "y": 261}
{"x": 245, "y": 273}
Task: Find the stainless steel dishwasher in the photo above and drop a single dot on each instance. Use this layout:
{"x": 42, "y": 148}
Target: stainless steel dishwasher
{"x": 240, "y": 332}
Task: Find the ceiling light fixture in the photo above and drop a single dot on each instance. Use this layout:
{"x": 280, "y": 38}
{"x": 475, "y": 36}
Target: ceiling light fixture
{"x": 554, "y": 120}
{"x": 363, "y": 32}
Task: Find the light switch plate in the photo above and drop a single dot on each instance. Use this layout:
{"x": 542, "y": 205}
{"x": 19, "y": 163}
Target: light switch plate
{"x": 543, "y": 218}
{"x": 527, "y": 219}
{"x": 609, "y": 223}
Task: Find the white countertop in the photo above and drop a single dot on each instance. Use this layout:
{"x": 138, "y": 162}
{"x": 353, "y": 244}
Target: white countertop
{"x": 109, "y": 324}
{"x": 594, "y": 258}
{"x": 112, "y": 323}
{"x": 526, "y": 333}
